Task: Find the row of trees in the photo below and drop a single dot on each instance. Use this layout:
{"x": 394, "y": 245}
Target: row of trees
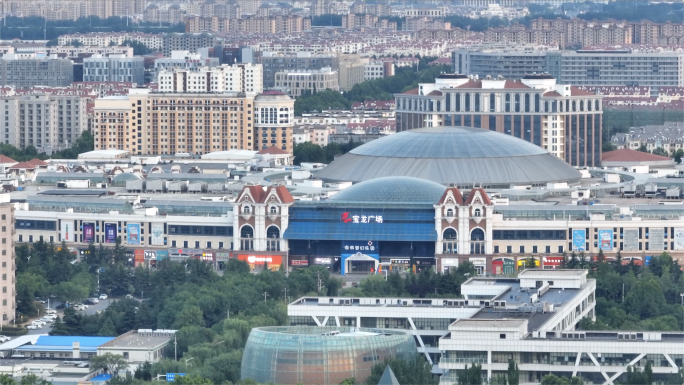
{"x": 405, "y": 78}
{"x": 84, "y": 143}
{"x": 310, "y": 152}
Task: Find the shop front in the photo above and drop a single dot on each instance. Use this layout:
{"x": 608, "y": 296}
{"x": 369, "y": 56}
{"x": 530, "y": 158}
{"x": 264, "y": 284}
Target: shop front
{"x": 480, "y": 265}
{"x": 258, "y": 262}
{"x": 326, "y": 262}
{"x": 503, "y": 266}
{"x": 299, "y": 263}
{"x": 360, "y": 257}
{"x": 139, "y": 257}
{"x": 222, "y": 259}
{"x": 523, "y": 263}
{"x": 399, "y": 265}
{"x": 449, "y": 264}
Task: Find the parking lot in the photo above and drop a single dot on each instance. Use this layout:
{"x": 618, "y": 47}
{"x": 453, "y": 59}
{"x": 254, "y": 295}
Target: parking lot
{"x": 92, "y": 309}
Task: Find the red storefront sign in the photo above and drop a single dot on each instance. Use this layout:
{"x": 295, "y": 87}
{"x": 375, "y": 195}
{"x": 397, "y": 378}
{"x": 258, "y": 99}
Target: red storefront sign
{"x": 299, "y": 262}
{"x": 552, "y": 262}
{"x": 139, "y": 256}
{"x": 272, "y": 261}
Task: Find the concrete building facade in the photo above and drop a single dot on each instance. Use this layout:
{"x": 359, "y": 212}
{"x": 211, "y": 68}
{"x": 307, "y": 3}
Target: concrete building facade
{"x": 294, "y": 83}
{"x": 28, "y": 71}
{"x": 226, "y": 78}
{"x": 274, "y": 62}
{"x": 114, "y": 68}
{"x": 7, "y": 266}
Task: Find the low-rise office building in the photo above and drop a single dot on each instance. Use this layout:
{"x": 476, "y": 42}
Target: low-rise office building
{"x": 30, "y": 70}
{"x": 294, "y": 83}
{"x": 114, "y": 68}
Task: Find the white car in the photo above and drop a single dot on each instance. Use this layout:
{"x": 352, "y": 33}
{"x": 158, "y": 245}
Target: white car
{"x": 31, "y": 327}
{"x": 51, "y": 311}
{"x": 47, "y": 320}
{"x": 103, "y": 296}
{"x": 4, "y": 338}
{"x": 50, "y": 317}
{"x": 94, "y": 300}
{"x": 38, "y": 323}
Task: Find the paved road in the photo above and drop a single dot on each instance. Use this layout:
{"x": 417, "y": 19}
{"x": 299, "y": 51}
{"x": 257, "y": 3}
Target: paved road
{"x": 92, "y": 309}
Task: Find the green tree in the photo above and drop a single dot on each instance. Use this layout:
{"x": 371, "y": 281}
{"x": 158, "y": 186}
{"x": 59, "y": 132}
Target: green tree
{"x": 59, "y": 329}
{"x": 110, "y": 363}
{"x": 677, "y": 155}
{"x": 513, "y": 373}
{"x": 107, "y": 329}
{"x": 190, "y": 315}
{"x": 660, "y": 151}
{"x": 139, "y": 49}
{"x": 471, "y": 376}
{"x": 6, "y": 379}
{"x": 349, "y": 381}
{"x": 607, "y": 147}
{"x": 412, "y": 371}
{"x": 645, "y": 299}
{"x": 32, "y": 379}
{"x": 192, "y": 380}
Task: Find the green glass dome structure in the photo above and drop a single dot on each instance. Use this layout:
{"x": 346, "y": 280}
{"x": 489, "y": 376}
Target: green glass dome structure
{"x": 320, "y": 355}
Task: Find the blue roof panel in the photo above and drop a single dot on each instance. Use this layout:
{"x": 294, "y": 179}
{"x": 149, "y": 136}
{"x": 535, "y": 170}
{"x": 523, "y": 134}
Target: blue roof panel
{"x": 69, "y": 341}
{"x": 338, "y": 231}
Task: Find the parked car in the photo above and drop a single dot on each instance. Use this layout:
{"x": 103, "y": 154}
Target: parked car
{"x": 31, "y": 327}
{"x": 4, "y": 338}
{"x": 38, "y": 323}
{"x": 51, "y": 311}
{"x": 47, "y": 320}
{"x": 103, "y": 296}
{"x": 51, "y": 316}
{"x": 95, "y": 300}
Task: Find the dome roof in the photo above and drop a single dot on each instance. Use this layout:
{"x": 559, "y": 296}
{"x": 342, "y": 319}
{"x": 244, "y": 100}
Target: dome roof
{"x": 394, "y": 189}
{"x": 459, "y": 155}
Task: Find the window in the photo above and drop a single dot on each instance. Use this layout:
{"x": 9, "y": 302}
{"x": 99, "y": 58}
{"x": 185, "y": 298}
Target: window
{"x": 522, "y": 249}
{"x": 4, "y": 277}
{"x": 273, "y": 239}
{"x": 509, "y": 249}
{"x": 220, "y": 245}
{"x": 502, "y": 336}
{"x": 548, "y": 249}
{"x": 4, "y": 264}
{"x": 185, "y": 244}
{"x": 246, "y": 210}
{"x": 197, "y": 244}
{"x": 208, "y": 244}
{"x": 477, "y": 213}
{"x": 496, "y": 249}
{"x": 534, "y": 249}
{"x": 273, "y": 210}
{"x": 450, "y": 212}
{"x": 173, "y": 244}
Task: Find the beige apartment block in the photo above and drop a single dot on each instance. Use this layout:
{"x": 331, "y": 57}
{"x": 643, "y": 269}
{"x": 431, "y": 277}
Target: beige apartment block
{"x": 7, "y": 266}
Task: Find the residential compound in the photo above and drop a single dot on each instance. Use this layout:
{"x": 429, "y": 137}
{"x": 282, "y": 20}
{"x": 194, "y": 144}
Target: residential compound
{"x": 581, "y": 68}
{"x": 583, "y": 33}
{"x": 146, "y": 122}
{"x": 30, "y": 70}
{"x": 72, "y": 9}
{"x": 114, "y": 68}
{"x": 251, "y": 24}
{"x": 561, "y": 118}
{"x": 225, "y": 78}
{"x": 183, "y": 59}
{"x": 669, "y": 137}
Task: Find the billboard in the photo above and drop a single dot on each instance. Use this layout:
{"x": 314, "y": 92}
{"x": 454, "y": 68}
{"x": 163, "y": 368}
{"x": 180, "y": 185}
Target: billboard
{"x": 133, "y": 234}
{"x": 139, "y": 257}
{"x": 272, "y": 261}
{"x": 605, "y": 240}
{"x": 162, "y": 254}
{"x": 67, "y": 231}
{"x": 157, "y": 234}
{"x": 678, "y": 239}
{"x": 110, "y": 232}
{"x": 88, "y": 232}
{"x": 656, "y": 238}
{"x": 579, "y": 240}
{"x": 630, "y": 239}
{"x": 365, "y": 247}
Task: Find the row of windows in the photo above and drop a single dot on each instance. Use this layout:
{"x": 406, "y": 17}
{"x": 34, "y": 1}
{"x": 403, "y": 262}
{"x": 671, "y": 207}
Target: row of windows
{"x": 200, "y": 230}
{"x": 535, "y": 249}
{"x": 26, "y": 224}
{"x": 529, "y": 234}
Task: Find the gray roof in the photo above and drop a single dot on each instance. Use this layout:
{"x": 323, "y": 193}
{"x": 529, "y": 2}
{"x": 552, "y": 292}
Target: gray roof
{"x": 388, "y": 377}
{"x": 458, "y": 155}
{"x": 393, "y": 189}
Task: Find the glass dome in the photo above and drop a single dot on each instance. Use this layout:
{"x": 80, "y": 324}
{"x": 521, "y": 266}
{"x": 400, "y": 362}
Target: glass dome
{"x": 395, "y": 189}
{"x": 319, "y": 355}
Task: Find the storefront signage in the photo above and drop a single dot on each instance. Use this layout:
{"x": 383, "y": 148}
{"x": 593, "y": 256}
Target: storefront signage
{"x": 349, "y": 218}
{"x": 88, "y": 232}
{"x": 273, "y": 261}
{"x": 354, "y": 246}
{"x": 222, "y": 256}
{"x": 139, "y": 256}
{"x": 605, "y": 240}
{"x": 162, "y": 254}
{"x": 299, "y": 262}
{"x": 579, "y": 240}
{"x": 110, "y": 232}
{"x": 208, "y": 256}
{"x": 323, "y": 261}
{"x": 150, "y": 254}
{"x": 552, "y": 261}
{"x": 478, "y": 261}
{"x": 400, "y": 261}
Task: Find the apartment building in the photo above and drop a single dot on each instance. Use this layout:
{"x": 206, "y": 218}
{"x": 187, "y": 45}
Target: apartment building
{"x": 273, "y": 122}
{"x": 294, "y": 83}
{"x": 351, "y": 71}
{"x": 72, "y": 9}
{"x": 561, "y": 118}
{"x": 226, "y": 78}
{"x": 46, "y": 121}
{"x": 580, "y": 68}
{"x": 186, "y": 42}
{"x": 114, "y": 68}
{"x": 277, "y": 62}
{"x": 7, "y": 266}
{"x": 30, "y": 70}
{"x": 183, "y": 59}
{"x": 147, "y": 122}
{"x": 424, "y": 22}
{"x": 354, "y": 21}
{"x": 107, "y": 39}
{"x": 377, "y": 70}
{"x": 250, "y": 24}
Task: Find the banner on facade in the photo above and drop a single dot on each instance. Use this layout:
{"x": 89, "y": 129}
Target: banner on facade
{"x": 678, "y": 239}
{"x": 630, "y": 239}
{"x": 656, "y": 238}
{"x": 110, "y": 232}
{"x": 67, "y": 231}
{"x": 579, "y": 240}
{"x": 605, "y": 240}
{"x": 133, "y": 234}
{"x": 157, "y": 234}
{"x": 88, "y": 232}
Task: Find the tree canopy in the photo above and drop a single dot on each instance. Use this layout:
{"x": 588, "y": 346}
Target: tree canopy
{"x": 413, "y": 371}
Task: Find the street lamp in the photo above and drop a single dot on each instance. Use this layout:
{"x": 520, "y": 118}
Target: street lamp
{"x": 188, "y": 360}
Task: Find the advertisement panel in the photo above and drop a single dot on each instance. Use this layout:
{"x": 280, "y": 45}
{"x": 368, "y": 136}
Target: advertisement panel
{"x": 630, "y": 239}
{"x": 579, "y": 240}
{"x": 273, "y": 262}
{"x": 67, "y": 231}
{"x": 299, "y": 262}
{"x": 88, "y": 232}
{"x": 678, "y": 239}
{"x": 150, "y": 255}
{"x": 162, "y": 254}
{"x": 133, "y": 234}
{"x": 365, "y": 247}
{"x": 139, "y": 257}
{"x": 605, "y": 240}
{"x": 323, "y": 261}
{"x": 157, "y": 234}
{"x": 208, "y": 256}
{"x": 222, "y": 256}
{"x": 110, "y": 232}
{"x": 554, "y": 262}
{"x": 503, "y": 266}
{"x": 656, "y": 238}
